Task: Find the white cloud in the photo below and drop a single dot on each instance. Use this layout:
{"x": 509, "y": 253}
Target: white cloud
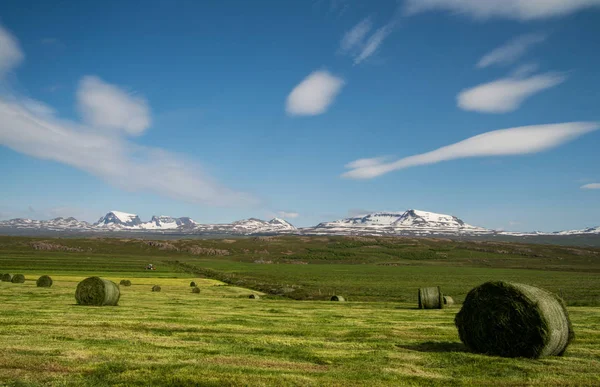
{"x": 507, "y": 94}
{"x": 356, "y": 36}
{"x": 124, "y": 164}
{"x": 32, "y": 127}
{"x": 364, "y": 163}
{"x": 591, "y": 186}
{"x": 505, "y": 142}
{"x": 511, "y": 51}
{"x": 106, "y": 106}
{"x": 10, "y": 52}
{"x": 373, "y": 43}
{"x": 288, "y": 215}
{"x": 524, "y": 70}
{"x": 314, "y": 94}
{"x": 359, "y": 45}
{"x": 508, "y": 9}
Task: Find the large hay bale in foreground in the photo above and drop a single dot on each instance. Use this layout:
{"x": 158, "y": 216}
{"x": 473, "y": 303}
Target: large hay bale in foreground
{"x": 97, "y": 291}
{"x": 192, "y": 284}
{"x": 125, "y": 283}
{"x": 44, "y": 282}
{"x": 6, "y": 277}
{"x": 338, "y": 298}
{"x": 514, "y": 320}
{"x": 18, "y": 279}
{"x": 156, "y": 288}
{"x": 195, "y": 290}
{"x": 431, "y": 298}
{"x": 254, "y": 296}
{"x": 448, "y": 301}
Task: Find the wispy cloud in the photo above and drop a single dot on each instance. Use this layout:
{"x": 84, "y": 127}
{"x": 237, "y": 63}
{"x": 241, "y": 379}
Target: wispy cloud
{"x": 591, "y": 186}
{"x": 101, "y": 149}
{"x": 510, "y": 51}
{"x": 373, "y": 43}
{"x": 287, "y": 215}
{"x": 355, "y": 38}
{"x": 106, "y": 106}
{"x": 314, "y": 94}
{"x": 507, "y": 94}
{"x": 504, "y": 142}
{"x": 357, "y": 42}
{"x": 507, "y": 9}
{"x": 10, "y": 52}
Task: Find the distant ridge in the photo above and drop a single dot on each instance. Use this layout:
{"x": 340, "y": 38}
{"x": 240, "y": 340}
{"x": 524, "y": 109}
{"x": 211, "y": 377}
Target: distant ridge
{"x": 410, "y": 222}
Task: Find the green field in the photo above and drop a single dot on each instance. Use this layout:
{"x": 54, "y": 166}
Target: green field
{"x": 291, "y": 335}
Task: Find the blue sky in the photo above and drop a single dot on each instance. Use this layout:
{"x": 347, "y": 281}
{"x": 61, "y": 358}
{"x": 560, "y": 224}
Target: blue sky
{"x": 307, "y": 110}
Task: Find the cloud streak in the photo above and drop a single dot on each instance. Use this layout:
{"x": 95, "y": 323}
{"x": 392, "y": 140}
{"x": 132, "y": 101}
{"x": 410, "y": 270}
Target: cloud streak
{"x": 358, "y": 44}
{"x": 10, "y": 52}
{"x": 507, "y": 9}
{"x": 314, "y": 94}
{"x": 510, "y": 51}
{"x": 101, "y": 148}
{"x": 504, "y": 142}
{"x": 106, "y": 106}
{"x": 591, "y": 186}
{"x": 507, "y": 94}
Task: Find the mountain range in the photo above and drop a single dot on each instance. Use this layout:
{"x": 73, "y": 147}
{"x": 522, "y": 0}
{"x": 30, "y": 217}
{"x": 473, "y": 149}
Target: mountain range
{"x": 410, "y": 222}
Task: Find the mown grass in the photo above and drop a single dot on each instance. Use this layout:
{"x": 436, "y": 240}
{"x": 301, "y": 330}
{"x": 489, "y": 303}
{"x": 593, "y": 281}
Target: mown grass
{"x": 220, "y": 337}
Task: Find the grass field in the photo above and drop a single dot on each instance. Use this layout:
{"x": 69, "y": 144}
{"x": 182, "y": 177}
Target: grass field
{"x": 220, "y": 337}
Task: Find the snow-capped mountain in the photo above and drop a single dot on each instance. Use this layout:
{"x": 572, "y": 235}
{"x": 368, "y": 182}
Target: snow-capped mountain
{"x": 249, "y": 226}
{"x": 168, "y": 223}
{"x": 56, "y": 224}
{"x": 408, "y": 222}
{"x": 411, "y": 222}
{"x": 117, "y": 219}
{"x": 590, "y": 230}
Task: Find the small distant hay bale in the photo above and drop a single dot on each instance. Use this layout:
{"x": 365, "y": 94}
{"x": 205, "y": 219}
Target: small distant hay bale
{"x": 18, "y": 279}
{"x": 338, "y": 298}
{"x": 44, "y": 282}
{"x": 514, "y": 320}
{"x": 431, "y": 298}
{"x": 448, "y": 301}
{"x": 195, "y": 289}
{"x": 156, "y": 288}
{"x": 125, "y": 283}
{"x": 97, "y": 291}
{"x": 254, "y": 296}
{"x": 7, "y": 277}
{"x": 192, "y": 284}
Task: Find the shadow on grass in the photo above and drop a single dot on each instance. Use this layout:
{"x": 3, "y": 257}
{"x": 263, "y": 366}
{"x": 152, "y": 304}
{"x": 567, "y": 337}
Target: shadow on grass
{"x": 435, "y": 346}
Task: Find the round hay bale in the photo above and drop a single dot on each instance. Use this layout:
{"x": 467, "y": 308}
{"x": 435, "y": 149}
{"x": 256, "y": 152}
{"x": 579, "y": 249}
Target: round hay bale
{"x": 125, "y": 283}
{"x": 254, "y": 296}
{"x": 156, "y": 288}
{"x": 431, "y": 298}
{"x": 6, "y": 277}
{"x": 514, "y": 320}
{"x": 44, "y": 282}
{"x": 192, "y": 284}
{"x": 448, "y": 301}
{"x": 338, "y": 298}
{"x": 97, "y": 291}
{"x": 18, "y": 279}
{"x": 195, "y": 290}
